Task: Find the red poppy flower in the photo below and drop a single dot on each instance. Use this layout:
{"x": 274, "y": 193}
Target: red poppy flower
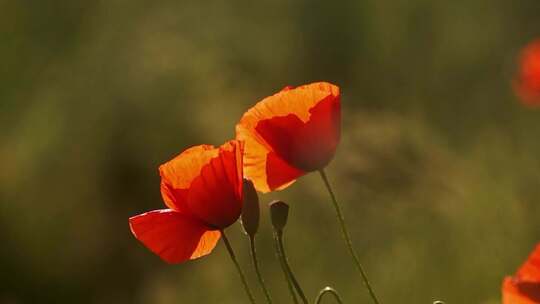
{"x": 524, "y": 287}
{"x": 202, "y": 187}
{"x": 289, "y": 134}
{"x": 527, "y": 83}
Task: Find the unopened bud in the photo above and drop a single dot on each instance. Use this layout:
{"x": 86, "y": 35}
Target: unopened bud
{"x": 250, "y": 209}
{"x": 279, "y": 211}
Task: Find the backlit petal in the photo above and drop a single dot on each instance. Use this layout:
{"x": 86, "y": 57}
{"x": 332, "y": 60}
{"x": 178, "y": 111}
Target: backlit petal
{"x": 524, "y": 287}
{"x": 178, "y": 174}
{"x": 516, "y": 292}
{"x": 173, "y": 236}
{"x": 290, "y": 133}
{"x": 308, "y": 145}
{"x": 215, "y": 196}
{"x": 530, "y": 270}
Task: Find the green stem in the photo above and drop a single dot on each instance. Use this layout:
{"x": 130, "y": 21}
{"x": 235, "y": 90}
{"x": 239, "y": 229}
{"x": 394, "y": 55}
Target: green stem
{"x": 279, "y": 236}
{"x": 233, "y": 258}
{"x": 331, "y": 291}
{"x": 257, "y": 269}
{"x": 284, "y": 268}
{"x": 347, "y": 237}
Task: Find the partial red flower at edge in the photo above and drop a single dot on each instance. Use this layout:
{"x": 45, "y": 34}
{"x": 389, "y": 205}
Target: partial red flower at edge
{"x": 203, "y": 189}
{"x": 524, "y": 287}
{"x": 527, "y": 82}
{"x": 289, "y": 134}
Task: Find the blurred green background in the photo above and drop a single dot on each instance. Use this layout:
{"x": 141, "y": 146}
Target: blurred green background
{"x": 438, "y": 169}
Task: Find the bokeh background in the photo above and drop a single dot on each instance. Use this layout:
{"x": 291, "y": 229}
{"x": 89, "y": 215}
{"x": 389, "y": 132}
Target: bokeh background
{"x": 438, "y": 169}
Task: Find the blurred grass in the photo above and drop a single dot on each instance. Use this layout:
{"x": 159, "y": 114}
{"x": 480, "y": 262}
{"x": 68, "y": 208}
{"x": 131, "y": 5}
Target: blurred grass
{"x": 438, "y": 169}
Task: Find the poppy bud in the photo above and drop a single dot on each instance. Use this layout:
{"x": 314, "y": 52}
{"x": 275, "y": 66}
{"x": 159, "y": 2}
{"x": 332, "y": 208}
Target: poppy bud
{"x": 279, "y": 211}
{"x": 250, "y": 209}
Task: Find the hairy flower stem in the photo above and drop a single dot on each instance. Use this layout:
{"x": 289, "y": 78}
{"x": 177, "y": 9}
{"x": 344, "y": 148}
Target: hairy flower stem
{"x": 257, "y": 269}
{"x": 279, "y": 243}
{"x": 284, "y": 269}
{"x": 331, "y": 291}
{"x": 233, "y": 258}
{"x": 347, "y": 237}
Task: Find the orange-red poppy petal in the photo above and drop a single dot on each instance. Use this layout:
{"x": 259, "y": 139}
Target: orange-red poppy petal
{"x": 308, "y": 146}
{"x": 178, "y": 174}
{"x": 524, "y": 287}
{"x": 530, "y": 270}
{"x": 206, "y": 182}
{"x": 517, "y": 292}
{"x": 290, "y": 133}
{"x": 279, "y": 174}
{"x": 173, "y": 236}
{"x": 215, "y": 196}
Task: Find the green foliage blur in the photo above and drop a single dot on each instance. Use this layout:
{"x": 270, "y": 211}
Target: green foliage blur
{"x": 438, "y": 170}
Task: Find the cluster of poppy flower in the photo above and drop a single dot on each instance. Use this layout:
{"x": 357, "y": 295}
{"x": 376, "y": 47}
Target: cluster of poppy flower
{"x": 281, "y": 138}
{"x": 207, "y": 188}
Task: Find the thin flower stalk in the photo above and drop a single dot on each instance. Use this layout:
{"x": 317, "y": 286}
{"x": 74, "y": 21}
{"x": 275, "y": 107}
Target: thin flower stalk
{"x": 284, "y": 269}
{"x": 256, "y": 266}
{"x": 279, "y": 242}
{"x": 238, "y": 268}
{"x": 346, "y": 236}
